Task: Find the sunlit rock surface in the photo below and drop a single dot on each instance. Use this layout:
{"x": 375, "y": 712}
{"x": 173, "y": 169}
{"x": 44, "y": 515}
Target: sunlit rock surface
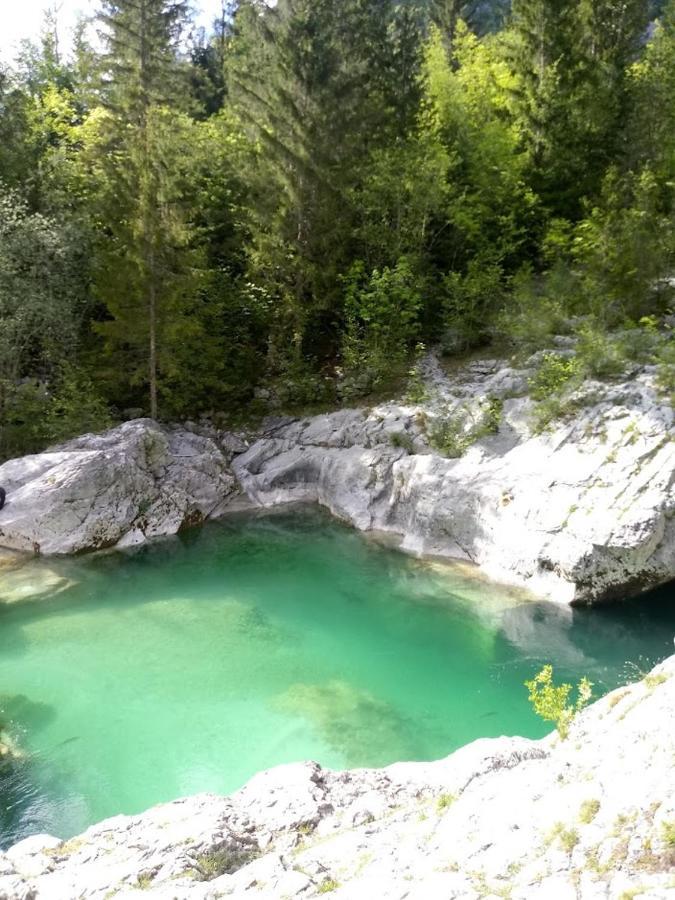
{"x": 134, "y": 482}
{"x": 584, "y": 512}
{"x": 581, "y": 513}
{"x": 589, "y": 817}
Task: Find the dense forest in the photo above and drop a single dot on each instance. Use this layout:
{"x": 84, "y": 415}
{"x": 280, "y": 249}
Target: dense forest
{"x": 286, "y": 210}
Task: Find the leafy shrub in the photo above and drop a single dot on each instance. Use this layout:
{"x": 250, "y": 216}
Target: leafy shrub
{"x": 223, "y": 861}
{"x": 568, "y": 838}
{"x": 23, "y": 415}
{"x": 551, "y": 385}
{"x": 451, "y": 436}
{"x": 417, "y": 391}
{"x": 492, "y": 417}
{"x": 43, "y": 288}
{"x": 668, "y": 832}
{"x": 639, "y": 342}
{"x": 469, "y": 305}
{"x": 75, "y": 407}
{"x": 551, "y": 702}
{"x": 401, "y": 439}
{"x": 33, "y": 416}
{"x": 554, "y": 376}
{"x": 382, "y": 322}
{"x": 601, "y": 355}
{"x": 665, "y": 372}
{"x": 534, "y": 312}
{"x": 589, "y": 810}
{"x": 299, "y": 387}
{"x": 445, "y": 801}
{"x": 623, "y": 246}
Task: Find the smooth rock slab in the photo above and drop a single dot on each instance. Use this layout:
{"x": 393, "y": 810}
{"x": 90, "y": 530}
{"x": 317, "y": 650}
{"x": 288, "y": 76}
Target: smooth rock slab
{"x": 582, "y": 513}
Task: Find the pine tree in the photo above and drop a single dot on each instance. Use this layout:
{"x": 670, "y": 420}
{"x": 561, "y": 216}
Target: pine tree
{"x": 141, "y": 79}
{"x": 480, "y": 15}
{"x": 317, "y": 86}
{"x": 542, "y": 54}
{"x": 572, "y": 60}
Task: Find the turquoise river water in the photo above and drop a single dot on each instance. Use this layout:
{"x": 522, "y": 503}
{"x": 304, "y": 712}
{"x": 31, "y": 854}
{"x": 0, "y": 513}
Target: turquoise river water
{"x": 192, "y": 663}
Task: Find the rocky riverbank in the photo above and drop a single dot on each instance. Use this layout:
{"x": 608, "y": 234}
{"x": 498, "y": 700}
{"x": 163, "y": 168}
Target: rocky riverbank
{"x": 589, "y": 817}
{"x": 581, "y": 512}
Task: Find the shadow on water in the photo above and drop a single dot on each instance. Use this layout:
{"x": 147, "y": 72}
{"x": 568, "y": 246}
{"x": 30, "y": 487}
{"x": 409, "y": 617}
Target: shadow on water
{"x": 611, "y": 643}
{"x": 23, "y": 807}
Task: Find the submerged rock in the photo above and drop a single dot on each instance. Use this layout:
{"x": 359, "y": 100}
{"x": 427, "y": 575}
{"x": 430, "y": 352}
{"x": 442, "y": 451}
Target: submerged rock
{"x": 582, "y": 513}
{"x": 592, "y": 817}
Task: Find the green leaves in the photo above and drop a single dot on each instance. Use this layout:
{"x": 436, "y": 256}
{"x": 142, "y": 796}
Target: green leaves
{"x": 551, "y": 702}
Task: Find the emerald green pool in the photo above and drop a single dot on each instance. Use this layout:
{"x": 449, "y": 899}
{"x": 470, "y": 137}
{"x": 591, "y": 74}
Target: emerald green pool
{"x": 190, "y": 664}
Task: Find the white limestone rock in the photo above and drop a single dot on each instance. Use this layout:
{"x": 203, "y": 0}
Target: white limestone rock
{"x": 591, "y": 816}
{"x": 582, "y": 513}
{"x": 136, "y": 481}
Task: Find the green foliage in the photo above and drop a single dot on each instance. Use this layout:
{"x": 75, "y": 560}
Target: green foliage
{"x": 624, "y": 246}
{"x": 452, "y": 435}
{"x": 417, "y": 391}
{"x": 75, "y": 407}
{"x": 402, "y": 440}
{"x": 36, "y": 414}
{"x": 668, "y": 833}
{"x": 328, "y": 885}
{"x": 489, "y": 207}
{"x": 223, "y": 861}
{"x": 600, "y": 355}
{"x": 554, "y": 375}
{"x": 23, "y": 411}
{"x": 551, "y": 702}
{"x": 445, "y": 801}
{"x": 42, "y": 290}
{"x": 589, "y": 810}
{"x": 316, "y": 123}
{"x": 665, "y": 374}
{"x": 535, "y": 310}
{"x": 567, "y": 838}
{"x": 287, "y": 209}
{"x": 382, "y": 322}
{"x": 640, "y": 342}
{"x": 469, "y": 305}
{"x": 492, "y": 416}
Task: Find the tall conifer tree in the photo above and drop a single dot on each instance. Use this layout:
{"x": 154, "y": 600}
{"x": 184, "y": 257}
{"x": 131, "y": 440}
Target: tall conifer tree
{"x": 141, "y": 77}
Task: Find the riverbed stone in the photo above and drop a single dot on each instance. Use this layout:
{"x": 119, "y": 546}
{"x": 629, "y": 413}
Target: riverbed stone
{"x": 591, "y": 816}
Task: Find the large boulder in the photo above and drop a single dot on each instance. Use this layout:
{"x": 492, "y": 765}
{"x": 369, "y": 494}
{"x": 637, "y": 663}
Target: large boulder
{"x": 135, "y": 481}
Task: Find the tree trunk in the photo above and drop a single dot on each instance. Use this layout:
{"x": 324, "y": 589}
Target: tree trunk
{"x": 152, "y": 312}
